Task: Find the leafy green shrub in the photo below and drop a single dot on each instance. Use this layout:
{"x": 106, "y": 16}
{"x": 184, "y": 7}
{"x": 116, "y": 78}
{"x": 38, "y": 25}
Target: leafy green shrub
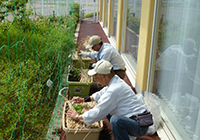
{"x": 74, "y": 10}
{"x": 31, "y": 52}
{"x": 89, "y": 15}
{"x": 9, "y": 6}
{"x": 133, "y": 23}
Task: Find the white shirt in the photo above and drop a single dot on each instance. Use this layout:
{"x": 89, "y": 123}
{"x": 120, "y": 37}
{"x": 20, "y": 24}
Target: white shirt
{"x": 117, "y": 99}
{"x": 109, "y": 53}
{"x": 173, "y": 59}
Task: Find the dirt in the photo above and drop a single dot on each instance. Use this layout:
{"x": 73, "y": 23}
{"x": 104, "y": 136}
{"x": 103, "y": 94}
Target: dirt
{"x": 72, "y": 77}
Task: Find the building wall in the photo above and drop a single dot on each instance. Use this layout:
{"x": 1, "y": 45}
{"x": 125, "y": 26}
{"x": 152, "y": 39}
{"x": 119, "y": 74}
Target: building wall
{"x": 163, "y": 57}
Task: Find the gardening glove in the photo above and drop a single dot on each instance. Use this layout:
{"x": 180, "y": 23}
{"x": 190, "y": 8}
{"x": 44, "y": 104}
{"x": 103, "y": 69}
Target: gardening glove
{"x": 84, "y": 54}
{"x": 93, "y": 65}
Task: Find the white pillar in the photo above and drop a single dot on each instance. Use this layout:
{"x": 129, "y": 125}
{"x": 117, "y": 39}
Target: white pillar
{"x": 86, "y": 6}
{"x": 134, "y": 7}
{"x": 67, "y": 7}
{"x": 97, "y": 10}
{"x": 42, "y": 7}
{"x": 80, "y": 10}
{"x": 57, "y": 7}
{"x": 94, "y": 5}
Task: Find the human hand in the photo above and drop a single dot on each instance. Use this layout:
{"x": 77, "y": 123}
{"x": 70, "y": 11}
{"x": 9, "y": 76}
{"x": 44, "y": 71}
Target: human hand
{"x": 72, "y": 114}
{"x": 77, "y": 100}
{"x": 84, "y": 54}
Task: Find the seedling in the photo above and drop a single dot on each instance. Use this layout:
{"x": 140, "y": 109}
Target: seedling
{"x": 78, "y": 108}
{"x": 76, "y": 72}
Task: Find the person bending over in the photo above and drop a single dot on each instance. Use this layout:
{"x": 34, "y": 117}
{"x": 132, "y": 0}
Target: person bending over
{"x": 117, "y": 99}
{"x": 107, "y": 52}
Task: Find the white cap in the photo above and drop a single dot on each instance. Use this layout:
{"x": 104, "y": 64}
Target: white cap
{"x": 102, "y": 67}
{"x": 94, "y": 40}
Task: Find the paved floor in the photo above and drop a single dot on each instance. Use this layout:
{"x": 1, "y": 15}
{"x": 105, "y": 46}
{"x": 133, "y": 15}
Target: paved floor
{"x": 89, "y": 28}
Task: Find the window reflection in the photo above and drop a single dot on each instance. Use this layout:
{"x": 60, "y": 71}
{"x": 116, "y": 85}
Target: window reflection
{"x": 132, "y": 29}
{"x": 106, "y": 13}
{"x": 115, "y": 12}
{"x": 177, "y": 75}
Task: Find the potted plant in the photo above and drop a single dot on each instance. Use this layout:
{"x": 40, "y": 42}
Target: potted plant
{"x": 80, "y": 62}
{"x": 79, "y": 82}
{"x": 79, "y": 130}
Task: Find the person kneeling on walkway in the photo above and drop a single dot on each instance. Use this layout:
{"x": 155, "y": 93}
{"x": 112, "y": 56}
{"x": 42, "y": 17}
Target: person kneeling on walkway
{"x": 107, "y": 52}
{"x": 117, "y": 99}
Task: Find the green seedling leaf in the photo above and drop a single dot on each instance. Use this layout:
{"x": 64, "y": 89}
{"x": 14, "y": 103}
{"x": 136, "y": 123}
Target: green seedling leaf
{"x": 78, "y": 108}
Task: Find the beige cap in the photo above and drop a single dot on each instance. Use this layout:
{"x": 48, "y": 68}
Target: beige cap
{"x": 101, "y": 67}
{"x": 94, "y": 40}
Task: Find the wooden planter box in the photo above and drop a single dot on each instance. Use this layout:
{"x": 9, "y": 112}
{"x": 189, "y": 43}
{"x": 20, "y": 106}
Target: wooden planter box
{"x": 74, "y": 134}
{"x": 79, "y": 88}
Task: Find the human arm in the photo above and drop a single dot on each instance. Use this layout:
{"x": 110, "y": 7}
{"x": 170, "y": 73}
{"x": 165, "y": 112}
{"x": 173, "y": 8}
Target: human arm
{"x": 80, "y": 99}
{"x": 98, "y": 112}
{"x": 74, "y": 115}
{"x": 84, "y": 54}
{"x": 94, "y": 97}
{"x": 93, "y": 54}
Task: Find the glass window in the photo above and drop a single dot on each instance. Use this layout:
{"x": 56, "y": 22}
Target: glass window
{"x": 106, "y": 13}
{"x": 88, "y": 6}
{"x": 132, "y": 11}
{"x": 177, "y": 74}
{"x": 114, "y": 19}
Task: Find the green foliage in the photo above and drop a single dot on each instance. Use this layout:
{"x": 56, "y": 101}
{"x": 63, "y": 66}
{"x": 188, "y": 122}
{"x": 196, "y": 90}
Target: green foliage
{"x": 89, "y": 15}
{"x": 31, "y": 52}
{"x": 78, "y": 108}
{"x": 133, "y": 23}
{"x": 19, "y": 7}
{"x": 74, "y": 10}
{"x": 76, "y": 72}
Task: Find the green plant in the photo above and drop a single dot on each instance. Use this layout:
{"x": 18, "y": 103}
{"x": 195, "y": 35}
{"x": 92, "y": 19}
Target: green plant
{"x": 89, "y": 15}
{"x": 78, "y": 108}
{"x": 74, "y": 10}
{"x": 133, "y": 23}
{"x": 19, "y": 7}
{"x": 31, "y": 52}
{"x": 76, "y": 72}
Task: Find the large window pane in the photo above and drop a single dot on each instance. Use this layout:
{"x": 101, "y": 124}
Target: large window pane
{"x": 132, "y": 29}
{"x": 177, "y": 75}
{"x": 101, "y": 9}
{"x": 106, "y": 13}
{"x": 114, "y": 16}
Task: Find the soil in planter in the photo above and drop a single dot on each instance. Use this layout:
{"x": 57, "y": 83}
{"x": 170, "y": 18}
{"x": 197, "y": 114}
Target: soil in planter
{"x": 72, "y": 77}
{"x": 81, "y": 76}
